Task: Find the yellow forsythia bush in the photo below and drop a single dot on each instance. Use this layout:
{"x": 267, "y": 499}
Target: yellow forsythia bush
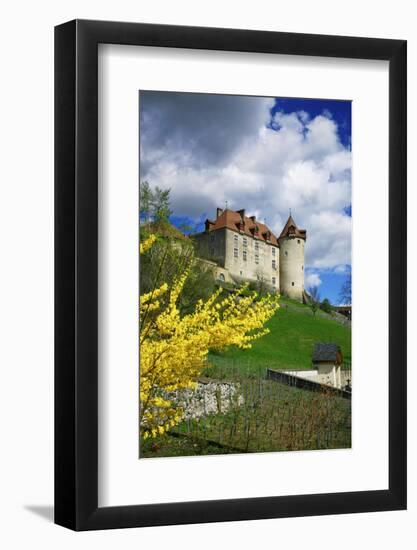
{"x": 173, "y": 349}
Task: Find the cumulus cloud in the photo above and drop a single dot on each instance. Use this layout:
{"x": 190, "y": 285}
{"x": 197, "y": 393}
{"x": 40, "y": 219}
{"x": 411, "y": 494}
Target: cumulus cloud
{"x": 209, "y": 149}
{"x": 312, "y": 279}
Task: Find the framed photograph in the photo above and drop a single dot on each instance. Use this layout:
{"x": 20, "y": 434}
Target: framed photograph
{"x": 230, "y": 275}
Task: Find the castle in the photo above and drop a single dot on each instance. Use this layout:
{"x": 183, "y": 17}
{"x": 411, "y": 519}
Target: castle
{"x": 244, "y": 249}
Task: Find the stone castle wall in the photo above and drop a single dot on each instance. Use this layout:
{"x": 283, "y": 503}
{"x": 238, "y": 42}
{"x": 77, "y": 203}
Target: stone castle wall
{"x": 212, "y": 246}
{"x": 292, "y": 267}
{"x": 250, "y": 259}
{"x": 245, "y": 258}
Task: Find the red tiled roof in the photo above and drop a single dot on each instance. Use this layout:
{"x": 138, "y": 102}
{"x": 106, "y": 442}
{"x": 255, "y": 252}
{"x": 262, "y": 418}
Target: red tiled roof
{"x": 237, "y": 221}
{"x": 291, "y": 228}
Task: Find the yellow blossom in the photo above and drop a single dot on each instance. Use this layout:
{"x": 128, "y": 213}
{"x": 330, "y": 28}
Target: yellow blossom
{"x": 174, "y": 348}
{"x": 145, "y": 246}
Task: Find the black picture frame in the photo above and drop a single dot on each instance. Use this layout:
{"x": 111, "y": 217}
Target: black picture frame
{"x": 76, "y": 272}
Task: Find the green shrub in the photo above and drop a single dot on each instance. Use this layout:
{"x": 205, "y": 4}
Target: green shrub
{"x": 326, "y": 306}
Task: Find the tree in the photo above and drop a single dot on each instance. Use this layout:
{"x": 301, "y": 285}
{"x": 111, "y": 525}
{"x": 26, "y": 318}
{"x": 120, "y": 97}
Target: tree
{"x": 326, "y": 306}
{"x": 167, "y": 259}
{"x": 260, "y": 285}
{"x": 185, "y": 227}
{"x": 160, "y": 204}
{"x": 345, "y": 294}
{"x": 145, "y": 201}
{"x": 174, "y": 347}
{"x": 314, "y": 299}
{"x": 154, "y": 204}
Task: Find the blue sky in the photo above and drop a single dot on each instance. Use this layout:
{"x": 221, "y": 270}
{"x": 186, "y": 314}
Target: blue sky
{"x": 266, "y": 155}
{"x": 340, "y": 112}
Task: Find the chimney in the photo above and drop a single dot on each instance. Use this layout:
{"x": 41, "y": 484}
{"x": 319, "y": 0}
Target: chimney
{"x": 208, "y": 224}
{"x": 242, "y": 213}
{"x": 219, "y": 212}
{"x": 253, "y": 218}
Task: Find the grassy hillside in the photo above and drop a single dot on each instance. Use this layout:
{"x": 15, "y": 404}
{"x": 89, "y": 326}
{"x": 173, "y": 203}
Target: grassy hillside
{"x": 289, "y": 345}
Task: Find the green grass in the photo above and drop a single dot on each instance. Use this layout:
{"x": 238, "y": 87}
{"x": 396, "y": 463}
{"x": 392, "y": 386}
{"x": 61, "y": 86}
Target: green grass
{"x": 274, "y": 416}
{"x": 289, "y": 345}
{"x": 171, "y": 444}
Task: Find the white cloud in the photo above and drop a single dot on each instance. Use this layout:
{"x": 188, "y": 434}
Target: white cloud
{"x": 341, "y": 269}
{"x": 213, "y": 149}
{"x": 312, "y": 279}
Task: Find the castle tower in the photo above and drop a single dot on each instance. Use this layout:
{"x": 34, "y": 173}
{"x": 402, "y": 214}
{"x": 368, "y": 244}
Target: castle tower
{"x": 291, "y": 266}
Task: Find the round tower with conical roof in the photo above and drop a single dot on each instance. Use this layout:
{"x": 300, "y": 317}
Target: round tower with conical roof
{"x": 291, "y": 269}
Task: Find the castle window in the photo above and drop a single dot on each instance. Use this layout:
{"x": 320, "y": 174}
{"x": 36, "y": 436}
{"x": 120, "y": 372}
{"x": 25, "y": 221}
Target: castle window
{"x": 245, "y": 255}
{"x": 245, "y": 242}
{"x": 274, "y": 264}
{"x": 286, "y": 252}
{"x": 298, "y": 241}
{"x": 274, "y": 281}
{"x": 256, "y": 259}
{"x": 212, "y": 237}
{"x": 273, "y": 251}
{"x": 256, "y": 246}
{"x": 241, "y": 273}
{"x": 292, "y": 284}
{"x": 221, "y": 277}
{"x": 236, "y": 239}
{"x": 235, "y": 253}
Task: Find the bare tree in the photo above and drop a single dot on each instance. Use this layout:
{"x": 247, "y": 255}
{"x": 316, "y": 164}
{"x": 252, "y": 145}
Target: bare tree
{"x": 261, "y": 284}
{"x": 145, "y": 202}
{"x": 345, "y": 294}
{"x": 314, "y": 299}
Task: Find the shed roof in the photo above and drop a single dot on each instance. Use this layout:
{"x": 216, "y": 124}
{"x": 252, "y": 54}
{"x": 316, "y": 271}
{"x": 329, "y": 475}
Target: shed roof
{"x": 326, "y": 352}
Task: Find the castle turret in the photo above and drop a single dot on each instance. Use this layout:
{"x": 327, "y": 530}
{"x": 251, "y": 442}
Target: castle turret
{"x": 291, "y": 266}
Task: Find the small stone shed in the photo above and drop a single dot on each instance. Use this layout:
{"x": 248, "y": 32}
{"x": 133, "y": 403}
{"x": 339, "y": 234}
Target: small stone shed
{"x": 327, "y": 359}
